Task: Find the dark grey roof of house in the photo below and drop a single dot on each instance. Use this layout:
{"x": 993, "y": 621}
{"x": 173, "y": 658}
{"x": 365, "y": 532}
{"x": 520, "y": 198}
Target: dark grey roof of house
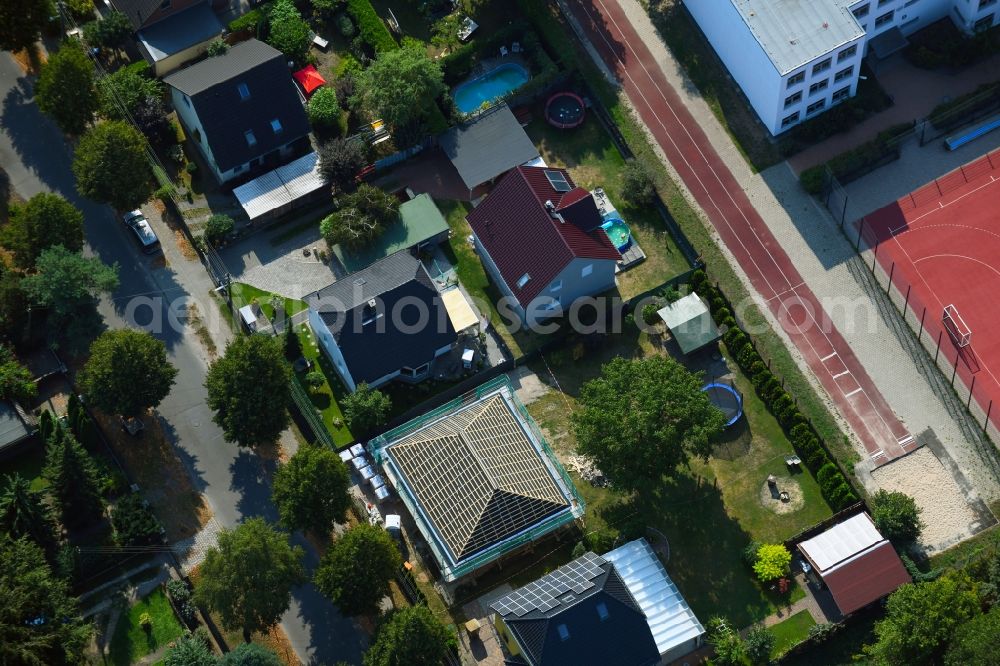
{"x": 137, "y": 11}
{"x": 581, "y": 613}
{"x": 179, "y": 31}
{"x": 213, "y": 87}
{"x": 488, "y": 146}
{"x": 373, "y": 341}
{"x": 13, "y": 426}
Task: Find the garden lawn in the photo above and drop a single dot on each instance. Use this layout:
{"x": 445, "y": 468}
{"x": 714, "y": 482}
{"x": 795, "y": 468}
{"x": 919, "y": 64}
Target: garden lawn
{"x": 840, "y": 648}
{"x": 470, "y": 270}
{"x": 709, "y": 513}
{"x": 244, "y": 294}
{"x": 326, "y": 396}
{"x": 790, "y": 632}
{"x": 593, "y": 160}
{"x": 131, "y": 642}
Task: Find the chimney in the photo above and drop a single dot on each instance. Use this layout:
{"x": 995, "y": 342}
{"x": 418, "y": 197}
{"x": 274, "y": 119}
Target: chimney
{"x": 549, "y": 206}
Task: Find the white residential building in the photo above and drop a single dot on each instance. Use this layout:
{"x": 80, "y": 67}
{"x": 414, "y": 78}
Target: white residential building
{"x": 794, "y": 59}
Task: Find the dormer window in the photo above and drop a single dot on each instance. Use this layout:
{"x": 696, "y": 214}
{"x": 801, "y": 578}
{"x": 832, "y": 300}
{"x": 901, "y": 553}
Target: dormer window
{"x": 523, "y": 280}
{"x": 244, "y": 91}
{"x": 563, "y": 632}
{"x": 602, "y": 611}
{"x": 251, "y": 139}
{"x": 276, "y": 126}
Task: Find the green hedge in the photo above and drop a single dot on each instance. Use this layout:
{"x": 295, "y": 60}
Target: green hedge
{"x": 850, "y": 164}
{"x": 833, "y": 484}
{"x": 371, "y": 27}
{"x": 954, "y": 112}
{"x": 250, "y": 21}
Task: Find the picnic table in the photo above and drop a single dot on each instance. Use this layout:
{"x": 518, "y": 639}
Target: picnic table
{"x": 793, "y": 461}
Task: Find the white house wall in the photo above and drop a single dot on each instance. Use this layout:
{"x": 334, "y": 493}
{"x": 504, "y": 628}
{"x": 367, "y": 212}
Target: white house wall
{"x": 743, "y": 56}
{"x": 192, "y": 127}
{"x": 329, "y": 346}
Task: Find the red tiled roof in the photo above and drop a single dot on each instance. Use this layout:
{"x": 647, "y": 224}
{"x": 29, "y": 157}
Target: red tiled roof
{"x": 520, "y": 235}
{"x": 866, "y": 577}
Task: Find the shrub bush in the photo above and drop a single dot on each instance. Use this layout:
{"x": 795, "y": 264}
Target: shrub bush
{"x": 218, "y": 227}
{"x": 345, "y": 25}
{"x": 729, "y": 322}
{"x": 721, "y": 315}
{"x": 649, "y": 313}
{"x": 371, "y": 28}
{"x": 813, "y": 179}
{"x": 250, "y": 21}
{"x": 324, "y": 111}
{"x": 816, "y": 458}
{"x": 827, "y": 474}
{"x": 747, "y": 356}
{"x": 856, "y": 162}
{"x": 181, "y": 594}
{"x": 217, "y": 48}
{"x": 191, "y": 167}
{"x": 637, "y": 184}
{"x": 749, "y": 555}
{"x": 698, "y": 279}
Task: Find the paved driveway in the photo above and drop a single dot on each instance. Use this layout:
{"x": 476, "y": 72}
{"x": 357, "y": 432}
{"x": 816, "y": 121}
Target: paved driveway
{"x": 283, "y": 268}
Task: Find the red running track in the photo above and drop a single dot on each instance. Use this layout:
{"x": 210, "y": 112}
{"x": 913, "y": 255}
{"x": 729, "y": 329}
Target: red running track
{"x": 743, "y": 230}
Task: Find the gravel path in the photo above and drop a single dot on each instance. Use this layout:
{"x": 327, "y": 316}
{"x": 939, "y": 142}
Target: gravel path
{"x": 828, "y": 265}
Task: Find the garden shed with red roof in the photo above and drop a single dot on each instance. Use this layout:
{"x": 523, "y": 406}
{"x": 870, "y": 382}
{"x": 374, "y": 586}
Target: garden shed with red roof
{"x": 855, "y": 562}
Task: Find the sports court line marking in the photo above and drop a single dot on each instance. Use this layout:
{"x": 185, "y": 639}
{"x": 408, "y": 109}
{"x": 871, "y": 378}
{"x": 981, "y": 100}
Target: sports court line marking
{"x": 953, "y": 201}
{"x": 828, "y": 357}
{"x": 790, "y": 290}
{"x": 711, "y": 168}
{"x": 841, "y": 374}
{"x": 857, "y": 390}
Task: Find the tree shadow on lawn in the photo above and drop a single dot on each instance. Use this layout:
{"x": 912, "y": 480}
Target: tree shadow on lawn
{"x": 706, "y": 545}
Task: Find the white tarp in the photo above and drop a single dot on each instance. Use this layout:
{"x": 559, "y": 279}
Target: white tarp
{"x": 841, "y": 541}
{"x": 280, "y": 187}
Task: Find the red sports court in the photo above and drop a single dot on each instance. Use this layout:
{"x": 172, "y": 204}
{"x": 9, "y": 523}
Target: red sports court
{"x": 940, "y": 247}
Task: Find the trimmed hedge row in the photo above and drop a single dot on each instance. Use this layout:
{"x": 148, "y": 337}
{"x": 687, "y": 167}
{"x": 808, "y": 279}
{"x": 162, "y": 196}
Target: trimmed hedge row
{"x": 833, "y": 484}
{"x": 855, "y": 162}
{"x": 955, "y": 112}
{"x": 370, "y": 26}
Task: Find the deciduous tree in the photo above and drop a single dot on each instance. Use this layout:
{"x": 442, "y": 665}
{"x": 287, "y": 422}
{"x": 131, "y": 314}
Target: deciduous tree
{"x": 976, "y": 641}
{"x": 896, "y": 516}
{"x": 340, "y": 160}
{"x": 759, "y": 643}
{"x": 366, "y": 409}
{"x": 16, "y": 382}
{"x": 109, "y": 32}
{"x": 21, "y": 21}
{"x": 65, "y": 280}
{"x": 921, "y": 619}
{"x": 361, "y": 218}
{"x": 248, "y": 389}
{"x": 356, "y": 570}
{"x": 411, "y": 635}
{"x": 65, "y": 88}
{"x": 110, "y": 165}
{"x": 772, "y": 562}
{"x": 311, "y": 490}
{"x": 401, "y": 86}
{"x": 287, "y": 31}
{"x": 643, "y": 418}
{"x": 46, "y": 220}
{"x": 122, "y": 91}
{"x": 29, "y": 592}
{"x": 127, "y": 372}
{"x": 248, "y": 578}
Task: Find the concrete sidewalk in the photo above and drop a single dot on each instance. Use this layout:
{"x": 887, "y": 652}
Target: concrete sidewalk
{"x": 827, "y": 263}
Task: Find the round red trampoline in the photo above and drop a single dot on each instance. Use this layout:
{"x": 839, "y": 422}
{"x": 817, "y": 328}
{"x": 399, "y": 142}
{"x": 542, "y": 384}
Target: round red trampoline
{"x": 565, "y": 110}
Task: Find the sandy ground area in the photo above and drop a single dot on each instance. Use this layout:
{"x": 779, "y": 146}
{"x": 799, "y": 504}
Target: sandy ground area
{"x": 527, "y": 386}
{"x": 944, "y": 508}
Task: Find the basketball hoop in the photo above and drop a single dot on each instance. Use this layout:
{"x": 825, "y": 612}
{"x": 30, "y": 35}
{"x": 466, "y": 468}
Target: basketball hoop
{"x": 957, "y": 329}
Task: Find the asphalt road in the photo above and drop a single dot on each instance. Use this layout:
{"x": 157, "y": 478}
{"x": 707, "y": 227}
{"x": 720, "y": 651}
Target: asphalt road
{"x": 236, "y": 483}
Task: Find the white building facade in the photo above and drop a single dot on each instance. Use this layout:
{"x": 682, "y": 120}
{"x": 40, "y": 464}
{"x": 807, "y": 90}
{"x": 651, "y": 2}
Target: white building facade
{"x": 795, "y": 59}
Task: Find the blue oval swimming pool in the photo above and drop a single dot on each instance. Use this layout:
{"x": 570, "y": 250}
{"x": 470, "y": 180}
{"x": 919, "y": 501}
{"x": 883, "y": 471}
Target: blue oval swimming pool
{"x": 493, "y": 84}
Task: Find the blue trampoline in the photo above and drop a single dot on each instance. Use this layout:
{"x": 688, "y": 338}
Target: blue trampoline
{"x": 727, "y": 399}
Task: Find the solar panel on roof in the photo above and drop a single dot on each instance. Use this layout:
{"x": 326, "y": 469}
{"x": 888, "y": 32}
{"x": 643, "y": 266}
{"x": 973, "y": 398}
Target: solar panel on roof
{"x": 557, "y": 181}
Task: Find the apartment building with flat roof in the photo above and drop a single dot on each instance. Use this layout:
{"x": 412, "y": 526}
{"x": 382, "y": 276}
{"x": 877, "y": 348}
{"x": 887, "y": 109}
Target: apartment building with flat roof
{"x": 795, "y": 59}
